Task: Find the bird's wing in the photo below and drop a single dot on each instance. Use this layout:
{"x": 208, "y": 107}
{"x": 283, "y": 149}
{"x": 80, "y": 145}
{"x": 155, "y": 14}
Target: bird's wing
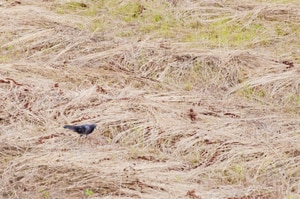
{"x": 89, "y": 128}
{"x": 77, "y": 129}
{"x": 81, "y": 129}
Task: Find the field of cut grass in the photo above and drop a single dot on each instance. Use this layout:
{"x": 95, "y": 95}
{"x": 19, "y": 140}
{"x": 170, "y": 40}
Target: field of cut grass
{"x": 192, "y": 99}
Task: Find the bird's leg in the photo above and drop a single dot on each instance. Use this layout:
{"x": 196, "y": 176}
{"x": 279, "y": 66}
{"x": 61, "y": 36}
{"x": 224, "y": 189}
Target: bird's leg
{"x": 90, "y": 139}
{"x": 79, "y": 138}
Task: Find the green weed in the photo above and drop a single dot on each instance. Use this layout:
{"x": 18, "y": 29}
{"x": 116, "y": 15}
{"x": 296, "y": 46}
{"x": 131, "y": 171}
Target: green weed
{"x": 45, "y": 194}
{"x": 88, "y": 192}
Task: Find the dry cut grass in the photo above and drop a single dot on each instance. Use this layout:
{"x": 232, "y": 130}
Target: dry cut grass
{"x": 192, "y": 99}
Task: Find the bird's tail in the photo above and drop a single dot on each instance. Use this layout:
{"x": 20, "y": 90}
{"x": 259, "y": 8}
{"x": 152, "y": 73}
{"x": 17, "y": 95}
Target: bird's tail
{"x": 69, "y": 127}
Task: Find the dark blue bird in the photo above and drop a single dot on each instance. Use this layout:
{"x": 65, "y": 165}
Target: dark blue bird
{"x": 82, "y": 129}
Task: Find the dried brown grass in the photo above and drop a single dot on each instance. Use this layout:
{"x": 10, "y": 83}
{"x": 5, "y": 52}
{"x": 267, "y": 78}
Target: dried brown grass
{"x": 175, "y": 119}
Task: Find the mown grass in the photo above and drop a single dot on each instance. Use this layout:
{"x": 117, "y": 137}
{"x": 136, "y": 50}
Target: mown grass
{"x": 191, "y": 99}
{"x": 165, "y": 20}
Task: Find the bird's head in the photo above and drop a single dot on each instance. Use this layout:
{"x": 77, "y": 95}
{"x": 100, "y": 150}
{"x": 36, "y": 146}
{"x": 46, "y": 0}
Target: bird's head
{"x": 93, "y": 126}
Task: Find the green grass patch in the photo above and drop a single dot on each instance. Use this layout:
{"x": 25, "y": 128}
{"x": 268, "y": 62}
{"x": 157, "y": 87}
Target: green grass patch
{"x": 70, "y": 7}
{"x": 88, "y": 192}
{"x": 223, "y": 33}
{"x": 129, "y": 11}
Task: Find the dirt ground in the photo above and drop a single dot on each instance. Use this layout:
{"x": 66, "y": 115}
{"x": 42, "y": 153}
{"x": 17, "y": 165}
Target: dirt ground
{"x": 192, "y": 99}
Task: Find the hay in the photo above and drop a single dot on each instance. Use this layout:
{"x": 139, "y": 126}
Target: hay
{"x": 174, "y": 119}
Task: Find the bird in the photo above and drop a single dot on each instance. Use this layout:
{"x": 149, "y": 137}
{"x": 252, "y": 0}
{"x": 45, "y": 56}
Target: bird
{"x": 84, "y": 129}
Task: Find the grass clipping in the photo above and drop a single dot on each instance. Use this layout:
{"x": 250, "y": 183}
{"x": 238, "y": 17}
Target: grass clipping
{"x": 175, "y": 119}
